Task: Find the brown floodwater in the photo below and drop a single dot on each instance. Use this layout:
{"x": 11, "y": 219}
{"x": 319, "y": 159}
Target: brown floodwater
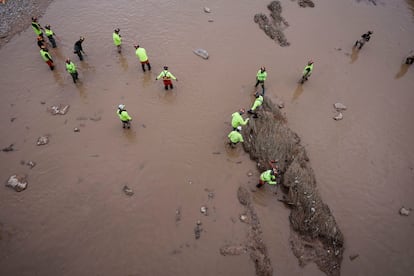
{"x": 74, "y": 218}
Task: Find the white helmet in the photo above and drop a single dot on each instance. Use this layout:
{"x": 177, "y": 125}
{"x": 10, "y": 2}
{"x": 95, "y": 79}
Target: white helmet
{"x": 239, "y": 128}
{"x": 121, "y": 106}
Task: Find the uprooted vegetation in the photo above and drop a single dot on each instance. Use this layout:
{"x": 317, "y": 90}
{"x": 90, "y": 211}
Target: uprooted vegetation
{"x": 315, "y": 236}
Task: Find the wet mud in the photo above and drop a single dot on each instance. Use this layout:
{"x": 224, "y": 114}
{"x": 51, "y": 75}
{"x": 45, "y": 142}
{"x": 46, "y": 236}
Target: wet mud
{"x": 316, "y": 237}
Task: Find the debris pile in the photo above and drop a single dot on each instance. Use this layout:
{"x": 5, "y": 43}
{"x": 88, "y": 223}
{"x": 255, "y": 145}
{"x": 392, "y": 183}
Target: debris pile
{"x": 316, "y": 236}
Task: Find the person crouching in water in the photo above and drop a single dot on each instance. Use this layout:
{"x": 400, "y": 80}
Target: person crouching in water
{"x": 268, "y": 177}
{"x": 166, "y": 78}
{"x": 124, "y": 116}
{"x": 235, "y": 137}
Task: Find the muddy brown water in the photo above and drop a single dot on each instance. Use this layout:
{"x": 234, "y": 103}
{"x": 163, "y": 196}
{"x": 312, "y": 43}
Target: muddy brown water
{"x": 74, "y": 218}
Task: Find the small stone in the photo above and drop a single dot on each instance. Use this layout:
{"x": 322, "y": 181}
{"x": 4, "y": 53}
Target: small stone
{"x": 42, "y": 102}
{"x": 405, "y": 211}
{"x": 203, "y": 210}
{"x": 313, "y": 210}
{"x": 42, "y": 140}
{"x": 60, "y": 109}
{"x": 9, "y": 148}
{"x": 128, "y": 191}
{"x": 281, "y": 105}
{"x": 17, "y": 182}
{"x": 207, "y": 10}
{"x": 178, "y": 214}
{"x": 76, "y": 129}
{"x": 12, "y": 119}
{"x": 31, "y": 164}
{"x": 210, "y": 20}
{"x": 243, "y": 218}
{"x": 338, "y": 117}
{"x": 353, "y": 257}
{"x": 339, "y": 106}
{"x": 249, "y": 173}
{"x": 198, "y": 222}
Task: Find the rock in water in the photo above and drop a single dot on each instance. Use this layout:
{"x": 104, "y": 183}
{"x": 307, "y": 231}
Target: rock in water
{"x": 17, "y": 182}
{"x": 42, "y": 140}
{"x": 207, "y": 10}
{"x": 339, "y": 106}
{"x": 198, "y": 230}
{"x": 405, "y": 211}
{"x": 201, "y": 52}
{"x": 128, "y": 191}
{"x": 338, "y": 117}
{"x": 9, "y": 148}
{"x": 60, "y": 109}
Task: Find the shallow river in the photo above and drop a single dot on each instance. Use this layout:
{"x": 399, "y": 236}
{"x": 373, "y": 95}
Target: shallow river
{"x": 74, "y": 218}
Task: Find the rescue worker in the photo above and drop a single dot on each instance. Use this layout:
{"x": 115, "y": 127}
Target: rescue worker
{"x": 77, "y": 48}
{"x": 71, "y": 68}
{"x": 307, "y": 72}
{"x": 124, "y": 116}
{"x": 117, "y": 39}
{"x": 268, "y": 177}
{"x": 141, "y": 53}
{"x": 49, "y": 33}
{"x": 166, "y": 78}
{"x": 364, "y": 38}
{"x": 257, "y": 103}
{"x": 36, "y": 27}
{"x": 235, "y": 137}
{"x": 44, "y": 52}
{"x": 261, "y": 77}
{"x": 41, "y": 42}
{"x": 409, "y": 60}
{"x": 237, "y": 119}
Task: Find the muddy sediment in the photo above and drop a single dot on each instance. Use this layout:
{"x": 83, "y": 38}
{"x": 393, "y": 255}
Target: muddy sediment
{"x": 315, "y": 236}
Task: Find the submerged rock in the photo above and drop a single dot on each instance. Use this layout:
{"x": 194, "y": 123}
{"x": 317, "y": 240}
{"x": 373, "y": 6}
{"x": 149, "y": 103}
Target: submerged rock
{"x": 9, "y": 148}
{"x": 207, "y": 10}
{"x": 405, "y": 211}
{"x": 339, "y": 106}
{"x": 198, "y": 230}
{"x": 338, "y": 117}
{"x": 60, "y": 109}
{"x": 17, "y": 182}
{"x": 203, "y": 210}
{"x": 128, "y": 191}
{"x": 42, "y": 140}
{"x": 201, "y": 52}
{"x": 31, "y": 164}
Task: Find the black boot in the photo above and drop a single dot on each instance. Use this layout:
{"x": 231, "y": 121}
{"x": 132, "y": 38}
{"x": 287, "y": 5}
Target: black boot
{"x": 259, "y": 185}
{"x": 143, "y": 67}
{"x": 171, "y": 86}
{"x": 166, "y": 87}
{"x": 149, "y": 66}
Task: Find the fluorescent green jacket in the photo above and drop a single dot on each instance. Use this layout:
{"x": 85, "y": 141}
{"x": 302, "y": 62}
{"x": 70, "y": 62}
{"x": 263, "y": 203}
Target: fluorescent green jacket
{"x": 258, "y": 102}
{"x": 70, "y": 67}
{"x": 141, "y": 53}
{"x": 45, "y": 55}
{"x": 308, "y": 68}
{"x": 237, "y": 120}
{"x": 267, "y": 176}
{"x": 49, "y": 32}
{"x": 165, "y": 75}
{"x": 36, "y": 28}
{"x": 261, "y": 76}
{"x": 117, "y": 39}
{"x": 235, "y": 137}
{"x": 123, "y": 115}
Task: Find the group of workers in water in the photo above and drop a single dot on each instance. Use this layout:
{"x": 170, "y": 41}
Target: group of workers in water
{"x": 235, "y": 136}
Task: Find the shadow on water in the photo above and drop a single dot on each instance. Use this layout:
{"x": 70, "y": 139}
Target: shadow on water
{"x": 123, "y": 61}
{"x": 403, "y": 69}
{"x": 298, "y": 92}
{"x": 58, "y": 77}
{"x": 354, "y": 55}
{"x": 146, "y": 79}
{"x": 130, "y": 134}
{"x": 82, "y": 90}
